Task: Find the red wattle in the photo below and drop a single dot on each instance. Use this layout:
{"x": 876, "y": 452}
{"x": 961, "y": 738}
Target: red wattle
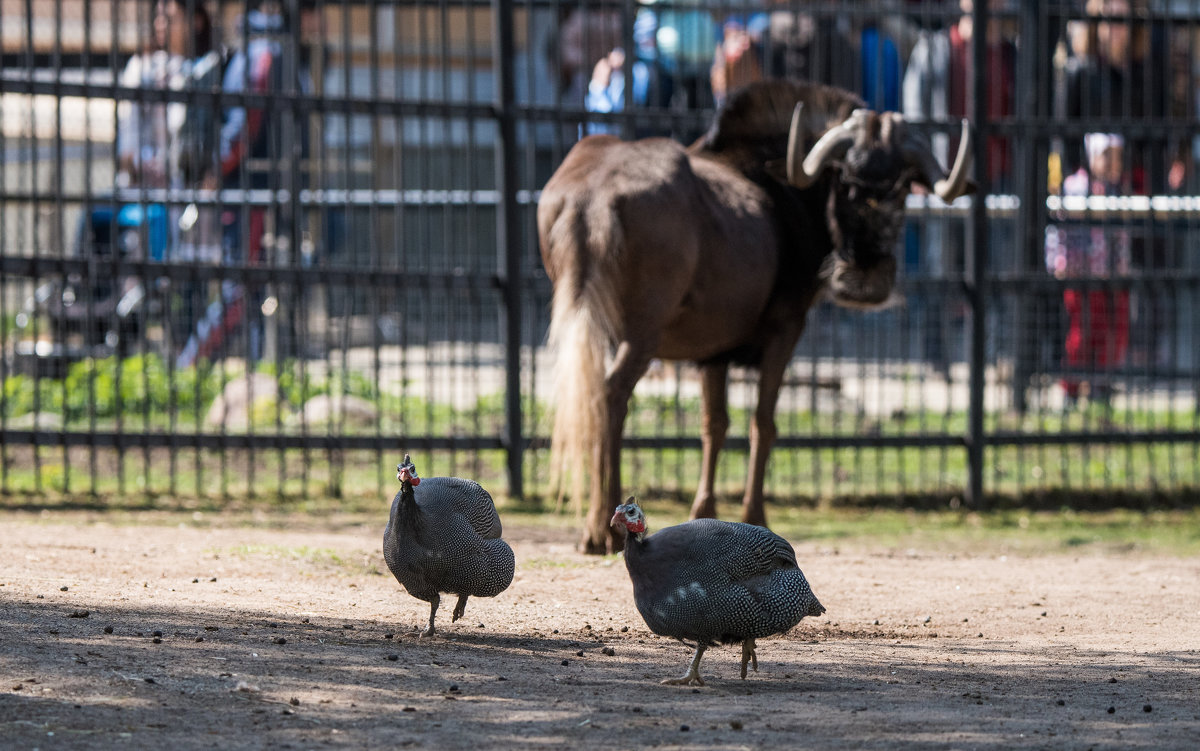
{"x": 415, "y": 480}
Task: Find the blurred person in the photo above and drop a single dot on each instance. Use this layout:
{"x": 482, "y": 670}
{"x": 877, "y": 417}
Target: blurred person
{"x": 938, "y": 86}
{"x": 260, "y": 148}
{"x": 1118, "y": 71}
{"x": 1097, "y": 319}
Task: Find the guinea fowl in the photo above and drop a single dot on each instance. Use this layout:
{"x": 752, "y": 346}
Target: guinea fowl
{"x": 445, "y": 537}
{"x": 713, "y": 582}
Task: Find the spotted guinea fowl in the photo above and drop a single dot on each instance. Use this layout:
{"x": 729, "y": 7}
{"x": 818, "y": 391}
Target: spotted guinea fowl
{"x": 445, "y": 537}
{"x": 713, "y": 582}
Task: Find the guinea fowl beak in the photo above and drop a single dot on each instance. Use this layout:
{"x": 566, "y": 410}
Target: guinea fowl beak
{"x": 618, "y": 519}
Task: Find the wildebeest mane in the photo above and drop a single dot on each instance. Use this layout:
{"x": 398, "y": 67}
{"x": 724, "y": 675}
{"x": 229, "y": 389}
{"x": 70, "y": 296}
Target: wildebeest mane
{"x": 756, "y": 118}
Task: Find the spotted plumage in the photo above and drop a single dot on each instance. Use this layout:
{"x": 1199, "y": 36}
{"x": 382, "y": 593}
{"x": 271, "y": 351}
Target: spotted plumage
{"x": 713, "y": 582}
{"x": 444, "y": 536}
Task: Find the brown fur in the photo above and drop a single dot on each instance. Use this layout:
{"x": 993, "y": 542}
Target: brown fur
{"x": 703, "y": 254}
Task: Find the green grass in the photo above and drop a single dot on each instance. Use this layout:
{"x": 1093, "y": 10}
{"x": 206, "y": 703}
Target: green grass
{"x": 924, "y": 532}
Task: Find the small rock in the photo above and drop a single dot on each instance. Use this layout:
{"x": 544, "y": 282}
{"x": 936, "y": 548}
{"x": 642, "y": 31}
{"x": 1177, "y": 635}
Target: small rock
{"x": 295, "y": 702}
{"x": 501, "y": 678}
{"x": 157, "y": 640}
{"x": 735, "y": 724}
{"x": 199, "y": 638}
{"x": 684, "y": 728}
{"x": 609, "y": 651}
{"x": 409, "y": 709}
{"x": 566, "y": 662}
{"x": 393, "y": 657}
{"x": 108, "y": 629}
{"x": 453, "y": 688}
{"x": 62, "y": 589}
{"x": 280, "y": 640}
{"x": 149, "y": 680}
{"x": 1147, "y": 708}
{"x": 348, "y": 626}
{"x": 388, "y": 636}
{"x": 195, "y": 581}
{"x": 1112, "y": 680}
{"x": 624, "y": 629}
{"x": 579, "y": 653}
{"x": 156, "y": 633}
{"x": 1061, "y": 703}
{"x": 1112, "y": 710}
{"x": 79, "y": 614}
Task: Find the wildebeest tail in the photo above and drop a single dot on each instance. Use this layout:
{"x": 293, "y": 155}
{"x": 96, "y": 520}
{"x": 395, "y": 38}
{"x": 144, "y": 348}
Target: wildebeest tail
{"x": 582, "y": 336}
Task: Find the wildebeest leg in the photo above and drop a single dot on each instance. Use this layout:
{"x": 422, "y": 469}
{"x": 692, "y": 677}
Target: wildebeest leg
{"x": 628, "y": 366}
{"x": 762, "y": 430}
{"x": 715, "y": 423}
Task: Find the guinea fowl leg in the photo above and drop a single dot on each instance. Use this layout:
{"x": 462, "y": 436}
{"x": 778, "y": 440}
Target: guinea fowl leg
{"x": 692, "y": 677}
{"x": 459, "y": 607}
{"x": 749, "y": 655}
{"x": 433, "y": 606}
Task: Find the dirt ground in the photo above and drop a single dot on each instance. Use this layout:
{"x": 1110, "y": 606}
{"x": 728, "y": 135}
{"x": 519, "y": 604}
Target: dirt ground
{"x": 181, "y": 632}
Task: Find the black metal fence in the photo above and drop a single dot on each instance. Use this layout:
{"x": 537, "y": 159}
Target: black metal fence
{"x": 270, "y": 259}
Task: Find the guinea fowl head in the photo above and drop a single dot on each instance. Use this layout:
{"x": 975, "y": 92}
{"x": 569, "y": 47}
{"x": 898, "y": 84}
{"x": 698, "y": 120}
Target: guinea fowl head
{"x": 406, "y": 472}
{"x": 630, "y": 519}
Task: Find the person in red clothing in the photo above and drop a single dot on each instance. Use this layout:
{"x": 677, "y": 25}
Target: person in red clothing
{"x": 1097, "y": 319}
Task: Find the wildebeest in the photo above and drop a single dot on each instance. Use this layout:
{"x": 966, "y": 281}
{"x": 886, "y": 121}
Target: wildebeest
{"x": 714, "y": 254}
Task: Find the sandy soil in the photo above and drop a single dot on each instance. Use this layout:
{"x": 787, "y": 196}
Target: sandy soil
{"x": 205, "y": 633}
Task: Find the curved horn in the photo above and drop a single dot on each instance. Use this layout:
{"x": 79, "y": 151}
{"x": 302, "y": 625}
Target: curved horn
{"x": 795, "y": 143}
{"x": 802, "y": 174}
{"x": 955, "y": 184}
{"x": 946, "y": 187}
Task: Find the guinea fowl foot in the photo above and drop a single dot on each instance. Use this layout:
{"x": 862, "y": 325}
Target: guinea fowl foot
{"x": 459, "y": 608}
{"x": 691, "y": 679}
{"x": 749, "y": 655}
{"x": 433, "y": 606}
{"x": 692, "y": 676}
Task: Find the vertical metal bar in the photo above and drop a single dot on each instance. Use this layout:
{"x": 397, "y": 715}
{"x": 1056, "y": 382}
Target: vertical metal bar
{"x": 976, "y": 279}
{"x": 508, "y": 237}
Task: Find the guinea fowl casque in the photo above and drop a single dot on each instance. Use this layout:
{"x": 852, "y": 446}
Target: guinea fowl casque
{"x": 713, "y": 582}
{"x": 445, "y": 537}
